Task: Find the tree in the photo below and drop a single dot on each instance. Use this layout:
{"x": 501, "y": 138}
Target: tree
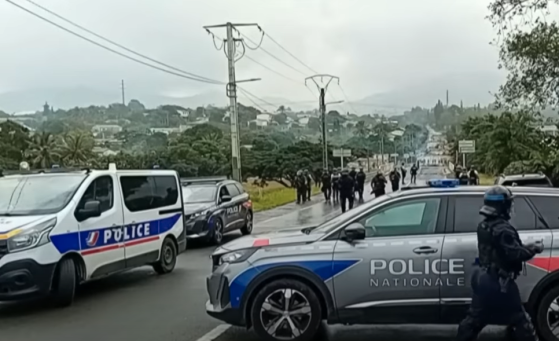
{"x": 527, "y": 45}
{"x": 77, "y": 149}
{"x": 44, "y": 150}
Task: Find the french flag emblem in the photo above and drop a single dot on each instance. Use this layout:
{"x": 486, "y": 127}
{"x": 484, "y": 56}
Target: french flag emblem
{"x": 92, "y": 238}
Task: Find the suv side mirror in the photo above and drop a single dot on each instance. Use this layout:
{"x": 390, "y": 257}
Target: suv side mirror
{"x": 353, "y": 232}
{"x": 225, "y": 198}
{"x": 90, "y": 209}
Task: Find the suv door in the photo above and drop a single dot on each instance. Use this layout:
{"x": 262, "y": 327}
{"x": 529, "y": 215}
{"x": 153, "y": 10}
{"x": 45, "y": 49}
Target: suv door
{"x": 236, "y": 219}
{"x": 102, "y": 254}
{"x": 461, "y": 243}
{"x": 394, "y": 272}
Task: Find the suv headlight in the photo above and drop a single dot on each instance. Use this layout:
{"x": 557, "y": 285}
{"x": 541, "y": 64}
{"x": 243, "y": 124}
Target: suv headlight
{"x": 31, "y": 237}
{"x": 236, "y": 256}
{"x": 201, "y": 213}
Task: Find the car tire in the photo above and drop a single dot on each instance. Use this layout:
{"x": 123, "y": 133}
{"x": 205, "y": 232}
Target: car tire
{"x": 217, "y": 234}
{"x": 65, "y": 282}
{"x": 247, "y": 228}
{"x": 543, "y": 317}
{"x": 167, "y": 259}
{"x": 306, "y": 311}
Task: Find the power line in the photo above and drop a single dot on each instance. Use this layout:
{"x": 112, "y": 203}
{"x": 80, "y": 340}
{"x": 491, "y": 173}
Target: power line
{"x": 291, "y": 54}
{"x": 271, "y": 70}
{"x": 347, "y": 99}
{"x": 272, "y": 55}
{"x": 182, "y": 74}
{"x": 258, "y": 98}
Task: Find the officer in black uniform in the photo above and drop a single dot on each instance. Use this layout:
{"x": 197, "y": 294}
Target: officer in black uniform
{"x": 496, "y": 298}
{"x": 347, "y": 190}
{"x": 326, "y": 184}
{"x": 360, "y": 179}
{"x": 301, "y": 186}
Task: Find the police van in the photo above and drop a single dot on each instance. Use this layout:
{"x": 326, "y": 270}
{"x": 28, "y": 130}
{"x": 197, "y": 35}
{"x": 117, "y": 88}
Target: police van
{"x": 61, "y": 228}
{"x": 405, "y": 257}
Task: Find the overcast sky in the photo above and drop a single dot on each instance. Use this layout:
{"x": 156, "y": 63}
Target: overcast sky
{"x": 372, "y": 45}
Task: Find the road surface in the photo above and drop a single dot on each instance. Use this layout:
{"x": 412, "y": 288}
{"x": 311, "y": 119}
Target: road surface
{"x": 140, "y": 306}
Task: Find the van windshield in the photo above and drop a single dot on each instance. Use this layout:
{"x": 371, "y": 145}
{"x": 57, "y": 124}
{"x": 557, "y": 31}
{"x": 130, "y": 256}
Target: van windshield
{"x": 37, "y": 195}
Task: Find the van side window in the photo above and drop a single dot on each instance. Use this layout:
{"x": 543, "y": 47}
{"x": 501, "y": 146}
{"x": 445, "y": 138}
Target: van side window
{"x": 101, "y": 190}
{"x": 166, "y": 191}
{"x": 547, "y": 206}
{"x": 142, "y": 193}
{"x": 467, "y": 217}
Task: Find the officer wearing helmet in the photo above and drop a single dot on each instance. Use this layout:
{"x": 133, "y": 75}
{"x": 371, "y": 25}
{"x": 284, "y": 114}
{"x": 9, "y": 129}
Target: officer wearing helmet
{"x": 501, "y": 256}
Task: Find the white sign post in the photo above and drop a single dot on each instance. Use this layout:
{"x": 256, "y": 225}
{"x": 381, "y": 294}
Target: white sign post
{"x": 341, "y": 153}
{"x": 466, "y": 147}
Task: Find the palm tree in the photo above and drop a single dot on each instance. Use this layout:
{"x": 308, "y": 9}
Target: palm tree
{"x": 77, "y": 148}
{"x": 43, "y": 150}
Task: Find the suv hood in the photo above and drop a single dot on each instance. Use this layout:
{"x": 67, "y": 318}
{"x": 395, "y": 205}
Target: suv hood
{"x": 282, "y": 237}
{"x": 197, "y": 207}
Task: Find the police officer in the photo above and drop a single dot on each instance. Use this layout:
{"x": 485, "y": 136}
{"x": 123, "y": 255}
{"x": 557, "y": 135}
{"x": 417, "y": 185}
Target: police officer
{"x": 496, "y": 298}
{"x": 347, "y": 190}
{"x": 326, "y": 185}
{"x": 404, "y": 171}
{"x": 353, "y": 173}
{"x": 301, "y": 185}
{"x": 308, "y": 179}
{"x": 360, "y": 178}
{"x": 378, "y": 184}
{"x": 394, "y": 177}
{"x": 473, "y": 176}
{"x": 336, "y": 185}
{"x": 413, "y": 173}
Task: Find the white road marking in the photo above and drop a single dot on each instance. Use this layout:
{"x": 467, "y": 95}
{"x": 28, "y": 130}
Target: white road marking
{"x": 215, "y": 333}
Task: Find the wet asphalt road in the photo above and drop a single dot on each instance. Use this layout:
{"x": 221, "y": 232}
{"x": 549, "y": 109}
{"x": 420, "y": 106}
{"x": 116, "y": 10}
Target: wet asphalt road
{"x": 140, "y": 306}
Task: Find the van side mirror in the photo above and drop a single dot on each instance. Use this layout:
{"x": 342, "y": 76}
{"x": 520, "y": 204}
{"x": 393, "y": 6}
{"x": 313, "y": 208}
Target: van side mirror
{"x": 91, "y": 209}
{"x": 225, "y": 198}
{"x": 353, "y": 232}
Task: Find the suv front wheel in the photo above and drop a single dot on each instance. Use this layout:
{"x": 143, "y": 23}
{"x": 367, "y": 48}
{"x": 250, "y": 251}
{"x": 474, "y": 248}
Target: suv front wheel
{"x": 286, "y": 310}
{"x": 547, "y": 315}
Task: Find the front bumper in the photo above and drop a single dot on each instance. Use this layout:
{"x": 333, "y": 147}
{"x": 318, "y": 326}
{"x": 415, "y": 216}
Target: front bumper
{"x": 197, "y": 228}
{"x": 25, "y": 278}
{"x": 219, "y": 304}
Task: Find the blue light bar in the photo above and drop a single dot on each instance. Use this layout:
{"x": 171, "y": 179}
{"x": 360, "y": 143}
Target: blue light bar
{"x": 443, "y": 183}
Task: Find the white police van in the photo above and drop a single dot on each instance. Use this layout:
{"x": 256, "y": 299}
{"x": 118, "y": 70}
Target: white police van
{"x": 61, "y": 228}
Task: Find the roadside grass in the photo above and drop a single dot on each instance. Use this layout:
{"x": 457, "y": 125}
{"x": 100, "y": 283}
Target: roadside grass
{"x": 273, "y": 195}
{"x": 486, "y": 179}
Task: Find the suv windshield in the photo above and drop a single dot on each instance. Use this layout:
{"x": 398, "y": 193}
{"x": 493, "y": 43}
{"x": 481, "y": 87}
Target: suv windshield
{"x": 37, "y": 195}
{"x": 349, "y": 215}
{"x": 195, "y": 194}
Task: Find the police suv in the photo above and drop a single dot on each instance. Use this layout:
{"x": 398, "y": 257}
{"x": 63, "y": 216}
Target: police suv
{"x": 214, "y": 206}
{"x": 61, "y": 228}
{"x": 405, "y": 257}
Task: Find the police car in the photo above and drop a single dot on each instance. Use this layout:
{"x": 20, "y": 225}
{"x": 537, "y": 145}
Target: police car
{"x": 530, "y": 180}
{"x": 214, "y": 206}
{"x": 405, "y": 257}
{"x": 61, "y": 228}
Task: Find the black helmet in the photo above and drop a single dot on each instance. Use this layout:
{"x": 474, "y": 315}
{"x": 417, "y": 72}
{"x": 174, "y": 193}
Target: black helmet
{"x": 497, "y": 202}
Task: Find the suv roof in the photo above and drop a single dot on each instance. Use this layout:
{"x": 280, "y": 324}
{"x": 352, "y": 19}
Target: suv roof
{"x": 216, "y": 180}
{"x": 472, "y": 189}
{"x": 534, "y": 180}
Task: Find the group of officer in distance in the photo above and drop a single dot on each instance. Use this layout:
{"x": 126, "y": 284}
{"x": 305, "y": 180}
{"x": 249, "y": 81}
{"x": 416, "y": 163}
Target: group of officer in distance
{"x": 341, "y": 186}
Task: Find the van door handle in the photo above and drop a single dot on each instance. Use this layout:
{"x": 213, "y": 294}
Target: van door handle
{"x": 424, "y": 250}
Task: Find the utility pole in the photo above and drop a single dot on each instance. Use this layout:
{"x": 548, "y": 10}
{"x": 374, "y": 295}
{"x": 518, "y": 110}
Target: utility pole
{"x": 230, "y": 48}
{"x": 322, "y": 107}
{"x": 123, "y": 92}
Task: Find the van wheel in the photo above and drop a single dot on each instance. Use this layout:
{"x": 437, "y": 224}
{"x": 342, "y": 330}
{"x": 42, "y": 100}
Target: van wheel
{"x": 286, "y": 310}
{"x": 547, "y": 315}
{"x": 168, "y": 258}
{"x": 64, "y": 286}
{"x": 247, "y": 229}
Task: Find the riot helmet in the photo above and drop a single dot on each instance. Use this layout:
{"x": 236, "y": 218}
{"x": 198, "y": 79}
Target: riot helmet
{"x": 497, "y": 202}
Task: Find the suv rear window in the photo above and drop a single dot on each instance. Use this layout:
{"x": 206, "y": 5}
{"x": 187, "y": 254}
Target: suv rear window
{"x": 528, "y": 182}
{"x": 467, "y": 217}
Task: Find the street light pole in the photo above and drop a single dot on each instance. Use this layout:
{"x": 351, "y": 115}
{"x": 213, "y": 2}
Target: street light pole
{"x": 322, "y": 106}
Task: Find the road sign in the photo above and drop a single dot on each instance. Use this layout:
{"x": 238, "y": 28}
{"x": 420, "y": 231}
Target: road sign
{"x": 394, "y": 155}
{"x": 406, "y": 156}
{"x": 466, "y": 146}
{"x": 341, "y": 152}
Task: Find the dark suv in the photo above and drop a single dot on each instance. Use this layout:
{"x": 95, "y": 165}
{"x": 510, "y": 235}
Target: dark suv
{"x": 214, "y": 206}
{"x": 524, "y": 180}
